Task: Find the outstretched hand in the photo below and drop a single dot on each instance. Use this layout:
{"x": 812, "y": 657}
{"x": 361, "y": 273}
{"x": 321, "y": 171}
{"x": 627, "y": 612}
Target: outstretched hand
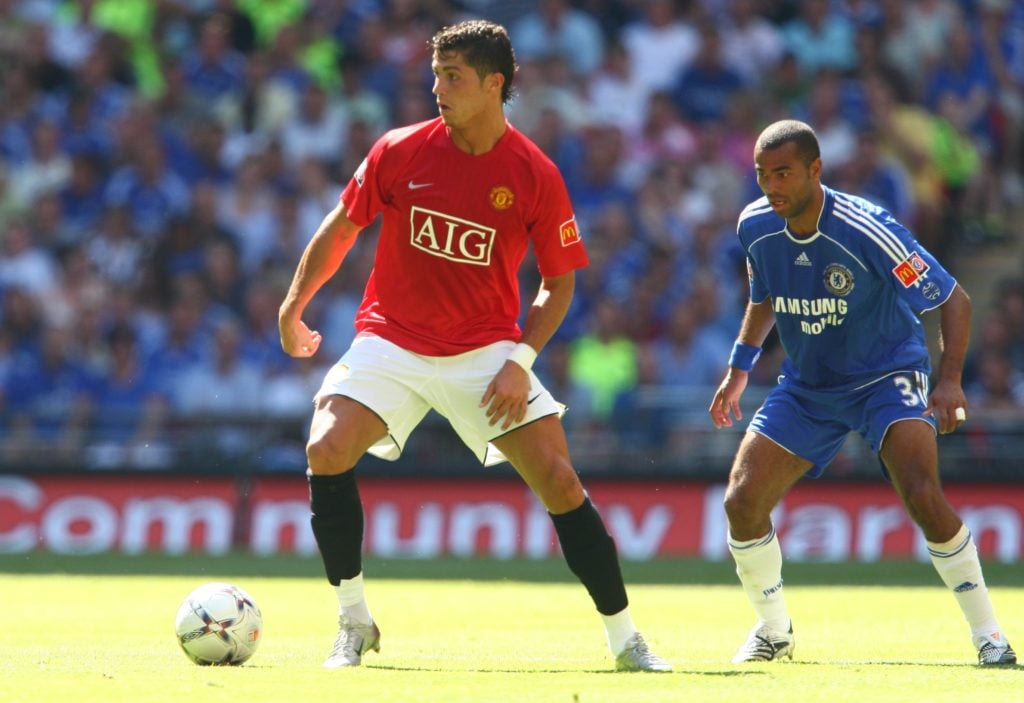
{"x": 297, "y": 339}
{"x": 507, "y": 395}
{"x": 727, "y": 399}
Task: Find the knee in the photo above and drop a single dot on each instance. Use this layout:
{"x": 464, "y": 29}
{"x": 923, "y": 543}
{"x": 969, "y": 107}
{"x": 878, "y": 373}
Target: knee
{"x": 924, "y": 501}
{"x": 744, "y": 509}
{"x": 562, "y": 489}
{"x": 326, "y": 455}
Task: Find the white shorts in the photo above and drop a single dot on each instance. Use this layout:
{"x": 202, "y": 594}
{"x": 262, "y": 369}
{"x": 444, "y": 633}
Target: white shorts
{"x": 401, "y": 387}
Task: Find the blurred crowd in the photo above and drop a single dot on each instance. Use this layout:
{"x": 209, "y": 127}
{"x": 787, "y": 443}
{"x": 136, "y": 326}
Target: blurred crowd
{"x": 163, "y": 163}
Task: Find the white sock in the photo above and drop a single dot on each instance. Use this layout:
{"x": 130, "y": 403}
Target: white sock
{"x": 351, "y": 601}
{"x": 759, "y": 566}
{"x": 619, "y": 628}
{"x": 958, "y": 566}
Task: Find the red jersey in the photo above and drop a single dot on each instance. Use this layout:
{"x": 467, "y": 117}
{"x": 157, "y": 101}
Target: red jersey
{"x": 455, "y": 230}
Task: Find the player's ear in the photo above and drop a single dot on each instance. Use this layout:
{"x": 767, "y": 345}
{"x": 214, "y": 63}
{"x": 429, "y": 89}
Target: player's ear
{"x": 495, "y": 82}
{"x": 815, "y": 168}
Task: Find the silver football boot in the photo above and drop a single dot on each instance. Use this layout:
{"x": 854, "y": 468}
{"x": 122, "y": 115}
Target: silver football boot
{"x": 637, "y": 656}
{"x": 353, "y": 641}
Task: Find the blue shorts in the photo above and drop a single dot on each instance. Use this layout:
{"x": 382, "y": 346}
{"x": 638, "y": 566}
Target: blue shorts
{"x": 813, "y": 424}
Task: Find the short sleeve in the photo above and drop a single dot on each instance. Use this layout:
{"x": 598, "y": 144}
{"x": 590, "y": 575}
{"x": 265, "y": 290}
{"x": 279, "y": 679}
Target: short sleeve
{"x": 557, "y": 241}
{"x": 363, "y": 196}
{"x": 919, "y": 279}
{"x": 758, "y": 291}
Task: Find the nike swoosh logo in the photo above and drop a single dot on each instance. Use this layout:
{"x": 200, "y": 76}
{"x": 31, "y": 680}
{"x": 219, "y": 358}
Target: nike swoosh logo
{"x": 413, "y": 185}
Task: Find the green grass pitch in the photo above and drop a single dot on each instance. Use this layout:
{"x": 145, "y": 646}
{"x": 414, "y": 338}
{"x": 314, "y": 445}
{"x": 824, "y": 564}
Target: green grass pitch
{"x": 87, "y": 629}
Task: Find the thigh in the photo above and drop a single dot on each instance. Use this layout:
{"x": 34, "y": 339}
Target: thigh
{"x": 342, "y": 431}
{"x": 762, "y": 472}
{"x": 899, "y": 397}
{"x": 802, "y": 427}
{"x": 540, "y": 454}
{"x": 386, "y": 380}
{"x": 910, "y": 454}
{"x": 460, "y": 383}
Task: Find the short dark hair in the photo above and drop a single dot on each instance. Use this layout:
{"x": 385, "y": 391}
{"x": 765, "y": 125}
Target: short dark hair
{"x": 784, "y": 132}
{"x": 484, "y": 45}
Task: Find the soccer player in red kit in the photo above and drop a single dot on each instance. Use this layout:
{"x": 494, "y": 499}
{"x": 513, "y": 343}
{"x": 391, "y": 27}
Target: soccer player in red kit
{"x": 462, "y": 197}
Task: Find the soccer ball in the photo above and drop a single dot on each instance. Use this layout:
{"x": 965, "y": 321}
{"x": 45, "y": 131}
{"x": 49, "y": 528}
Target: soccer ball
{"x": 218, "y": 624}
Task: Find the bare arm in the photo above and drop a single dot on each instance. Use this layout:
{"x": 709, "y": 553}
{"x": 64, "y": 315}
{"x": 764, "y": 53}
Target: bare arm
{"x": 321, "y": 259}
{"x": 508, "y": 392}
{"x": 954, "y": 334}
{"x": 758, "y": 321}
{"x": 548, "y": 309}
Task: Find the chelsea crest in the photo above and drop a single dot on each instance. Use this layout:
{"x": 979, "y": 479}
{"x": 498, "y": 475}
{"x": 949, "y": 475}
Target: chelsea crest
{"x": 838, "y": 279}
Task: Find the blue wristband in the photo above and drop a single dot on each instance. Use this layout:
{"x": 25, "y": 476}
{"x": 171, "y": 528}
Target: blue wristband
{"x": 743, "y": 356}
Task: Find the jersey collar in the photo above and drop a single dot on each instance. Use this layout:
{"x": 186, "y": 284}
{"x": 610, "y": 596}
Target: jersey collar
{"x": 823, "y": 216}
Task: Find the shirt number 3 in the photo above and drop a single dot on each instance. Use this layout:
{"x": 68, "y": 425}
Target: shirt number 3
{"x": 908, "y": 390}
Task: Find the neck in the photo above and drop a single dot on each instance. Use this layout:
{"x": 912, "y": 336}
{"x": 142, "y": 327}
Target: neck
{"x": 481, "y": 135}
{"x": 806, "y": 223}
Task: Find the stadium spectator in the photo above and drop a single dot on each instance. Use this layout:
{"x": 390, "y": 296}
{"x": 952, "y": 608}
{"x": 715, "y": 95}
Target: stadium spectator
{"x": 880, "y": 179}
{"x": 820, "y": 37}
{"x": 268, "y": 17}
{"x": 599, "y": 184}
{"x": 129, "y": 410}
{"x": 215, "y": 70}
{"x": 23, "y": 320}
{"x": 26, "y": 265}
{"x": 964, "y": 77}
{"x": 115, "y": 249}
{"x": 705, "y": 87}
{"x": 47, "y": 168}
{"x": 183, "y": 348}
{"x": 246, "y": 211}
{"x": 660, "y": 44}
{"x": 914, "y": 36}
{"x": 751, "y": 45}
{"x": 547, "y": 84}
{"x": 81, "y": 198}
{"x": 998, "y": 387}
{"x": 604, "y": 360}
{"x": 73, "y": 35}
{"x": 558, "y": 27}
{"x": 221, "y": 398}
{"x": 683, "y": 356}
{"x": 1002, "y": 37}
{"x": 149, "y": 191}
{"x": 49, "y": 396}
{"x": 317, "y": 129}
{"x": 613, "y": 93}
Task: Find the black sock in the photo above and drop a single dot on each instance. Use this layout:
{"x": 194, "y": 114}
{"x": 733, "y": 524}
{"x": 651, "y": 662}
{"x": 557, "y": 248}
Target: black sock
{"x": 590, "y": 553}
{"x": 337, "y": 522}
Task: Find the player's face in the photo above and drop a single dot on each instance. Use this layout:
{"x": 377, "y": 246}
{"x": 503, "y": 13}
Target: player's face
{"x": 461, "y": 94}
{"x": 789, "y": 182}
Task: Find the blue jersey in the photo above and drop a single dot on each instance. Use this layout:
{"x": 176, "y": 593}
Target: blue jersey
{"x": 847, "y": 298}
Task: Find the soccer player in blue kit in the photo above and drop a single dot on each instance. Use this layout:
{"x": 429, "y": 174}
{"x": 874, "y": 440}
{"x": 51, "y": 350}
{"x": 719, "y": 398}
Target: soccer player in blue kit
{"x": 843, "y": 283}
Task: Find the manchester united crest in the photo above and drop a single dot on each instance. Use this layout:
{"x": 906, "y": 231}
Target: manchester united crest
{"x": 501, "y": 197}
{"x": 838, "y": 279}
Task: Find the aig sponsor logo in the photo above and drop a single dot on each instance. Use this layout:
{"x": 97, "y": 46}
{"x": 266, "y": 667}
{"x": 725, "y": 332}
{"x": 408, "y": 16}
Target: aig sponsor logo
{"x": 451, "y": 238}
